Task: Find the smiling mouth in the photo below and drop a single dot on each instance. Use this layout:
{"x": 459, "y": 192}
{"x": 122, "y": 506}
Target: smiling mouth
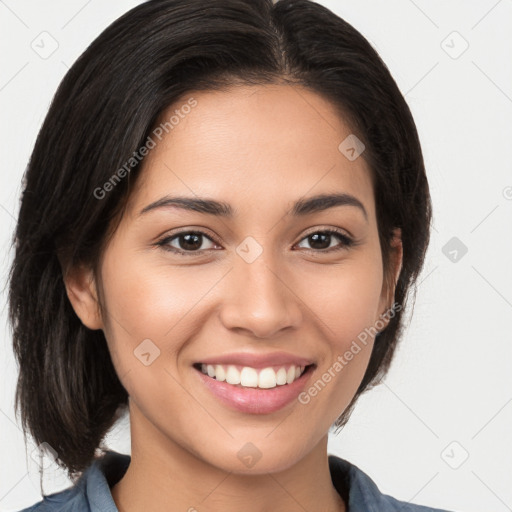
{"x": 248, "y": 377}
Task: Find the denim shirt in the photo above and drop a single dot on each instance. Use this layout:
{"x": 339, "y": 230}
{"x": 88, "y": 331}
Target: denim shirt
{"x": 91, "y": 493}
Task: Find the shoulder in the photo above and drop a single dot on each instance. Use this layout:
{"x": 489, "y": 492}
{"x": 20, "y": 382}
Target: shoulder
{"x": 362, "y": 493}
{"x": 91, "y": 493}
{"x": 71, "y": 499}
{"x": 404, "y": 506}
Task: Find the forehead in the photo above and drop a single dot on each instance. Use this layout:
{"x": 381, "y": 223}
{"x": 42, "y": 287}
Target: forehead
{"x": 266, "y": 144}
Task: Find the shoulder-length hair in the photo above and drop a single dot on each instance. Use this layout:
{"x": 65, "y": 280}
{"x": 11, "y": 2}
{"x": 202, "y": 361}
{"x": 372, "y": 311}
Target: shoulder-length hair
{"x": 104, "y": 110}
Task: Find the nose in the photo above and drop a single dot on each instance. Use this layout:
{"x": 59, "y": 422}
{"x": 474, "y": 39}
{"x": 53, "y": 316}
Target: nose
{"x": 261, "y": 300}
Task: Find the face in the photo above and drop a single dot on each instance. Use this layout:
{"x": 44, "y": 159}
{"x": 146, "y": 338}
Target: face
{"x": 261, "y": 288}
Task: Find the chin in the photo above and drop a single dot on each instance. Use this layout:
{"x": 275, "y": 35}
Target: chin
{"x": 258, "y": 458}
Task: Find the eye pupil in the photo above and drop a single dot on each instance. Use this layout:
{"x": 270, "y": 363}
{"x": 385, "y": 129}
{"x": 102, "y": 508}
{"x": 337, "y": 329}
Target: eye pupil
{"x": 316, "y": 236}
{"x": 192, "y": 241}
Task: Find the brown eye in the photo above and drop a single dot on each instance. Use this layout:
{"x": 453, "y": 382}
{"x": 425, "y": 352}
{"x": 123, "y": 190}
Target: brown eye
{"x": 185, "y": 242}
{"x": 320, "y": 241}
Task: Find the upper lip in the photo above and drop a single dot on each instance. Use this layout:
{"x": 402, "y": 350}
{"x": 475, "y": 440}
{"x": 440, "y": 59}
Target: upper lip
{"x": 258, "y": 360}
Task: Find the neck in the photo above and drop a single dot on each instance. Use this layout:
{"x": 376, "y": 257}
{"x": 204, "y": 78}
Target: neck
{"x": 164, "y": 476}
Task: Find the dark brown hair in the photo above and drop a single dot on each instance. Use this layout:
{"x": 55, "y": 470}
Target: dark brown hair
{"x": 103, "y": 111}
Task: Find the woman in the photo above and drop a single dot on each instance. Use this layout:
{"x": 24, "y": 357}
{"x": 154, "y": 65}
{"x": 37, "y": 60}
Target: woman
{"x": 222, "y": 217}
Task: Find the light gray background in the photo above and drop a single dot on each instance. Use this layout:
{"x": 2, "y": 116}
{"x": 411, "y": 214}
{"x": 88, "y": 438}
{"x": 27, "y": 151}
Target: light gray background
{"x": 449, "y": 394}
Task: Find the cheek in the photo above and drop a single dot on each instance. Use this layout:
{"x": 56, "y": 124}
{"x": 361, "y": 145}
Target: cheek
{"x": 348, "y": 306}
{"x": 348, "y": 299}
{"x": 150, "y": 302}
{"x": 147, "y": 298}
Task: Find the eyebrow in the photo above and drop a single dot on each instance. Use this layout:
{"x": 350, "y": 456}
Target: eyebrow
{"x": 300, "y": 208}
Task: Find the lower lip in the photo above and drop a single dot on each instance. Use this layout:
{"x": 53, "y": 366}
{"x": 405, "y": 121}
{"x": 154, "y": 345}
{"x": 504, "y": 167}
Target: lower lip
{"x": 256, "y": 400}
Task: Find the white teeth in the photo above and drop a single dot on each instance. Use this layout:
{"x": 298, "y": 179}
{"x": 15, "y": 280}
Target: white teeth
{"x": 249, "y": 377}
{"x": 281, "y": 376}
{"x": 265, "y": 378}
{"x": 220, "y": 374}
{"x": 232, "y": 375}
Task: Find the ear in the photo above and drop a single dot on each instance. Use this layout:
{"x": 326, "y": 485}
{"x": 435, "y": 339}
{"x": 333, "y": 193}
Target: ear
{"x": 82, "y": 293}
{"x": 391, "y": 277}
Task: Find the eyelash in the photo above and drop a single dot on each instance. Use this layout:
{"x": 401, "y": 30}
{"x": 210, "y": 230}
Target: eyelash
{"x": 347, "y": 242}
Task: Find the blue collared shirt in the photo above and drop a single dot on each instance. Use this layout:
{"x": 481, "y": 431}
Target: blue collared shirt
{"x": 91, "y": 493}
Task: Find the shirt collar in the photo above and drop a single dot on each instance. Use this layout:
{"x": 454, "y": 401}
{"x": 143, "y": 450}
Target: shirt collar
{"x": 105, "y": 472}
{"x": 101, "y": 476}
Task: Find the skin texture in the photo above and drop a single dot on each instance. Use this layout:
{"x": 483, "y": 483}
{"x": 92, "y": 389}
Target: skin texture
{"x": 258, "y": 148}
